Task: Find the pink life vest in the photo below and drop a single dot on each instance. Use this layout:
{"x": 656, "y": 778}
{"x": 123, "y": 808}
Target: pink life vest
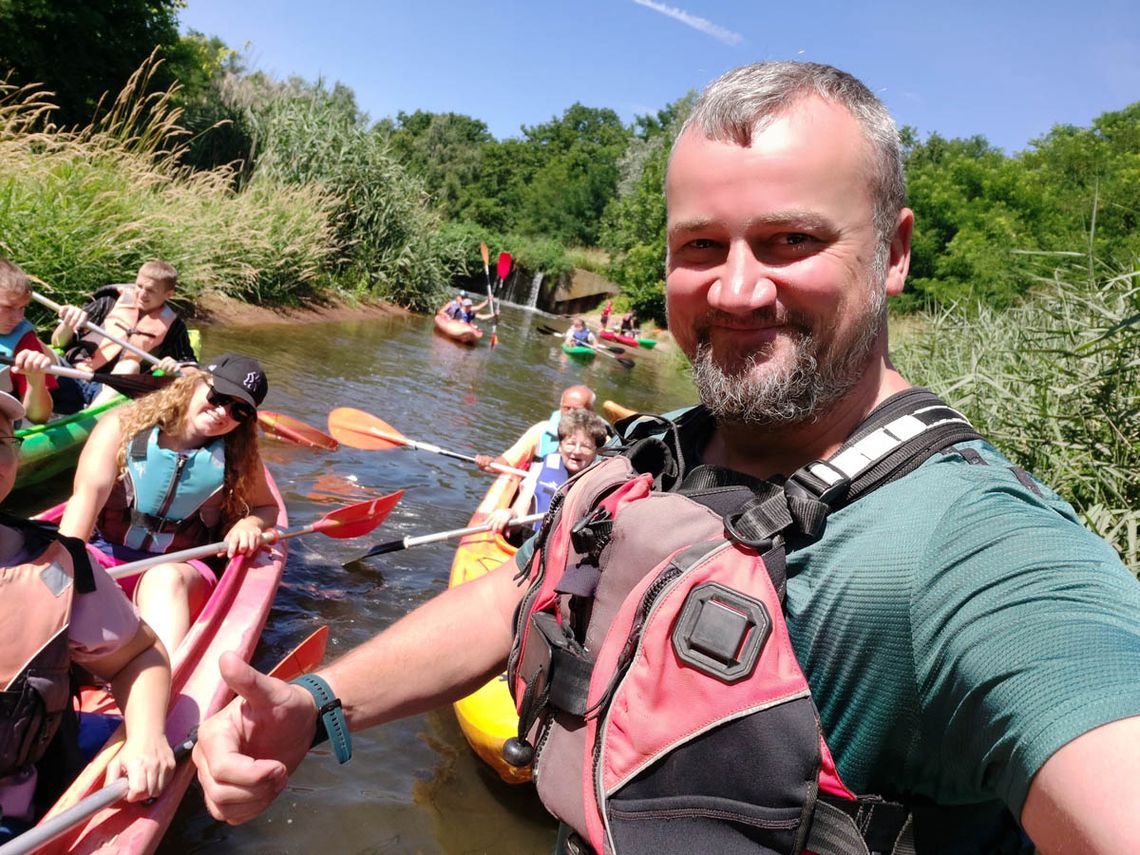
{"x": 652, "y": 667}
{"x": 126, "y": 322}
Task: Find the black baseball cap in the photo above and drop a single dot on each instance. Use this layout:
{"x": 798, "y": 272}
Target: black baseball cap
{"x": 240, "y": 377}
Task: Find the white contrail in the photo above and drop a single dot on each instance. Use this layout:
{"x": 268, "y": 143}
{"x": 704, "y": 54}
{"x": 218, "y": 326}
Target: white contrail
{"x": 697, "y": 23}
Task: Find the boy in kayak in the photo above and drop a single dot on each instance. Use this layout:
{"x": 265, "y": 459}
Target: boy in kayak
{"x": 137, "y": 314}
{"x": 579, "y": 335}
{"x": 59, "y": 608}
{"x": 18, "y": 341}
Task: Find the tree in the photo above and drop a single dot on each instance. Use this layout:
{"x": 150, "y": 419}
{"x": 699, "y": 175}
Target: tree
{"x": 80, "y": 51}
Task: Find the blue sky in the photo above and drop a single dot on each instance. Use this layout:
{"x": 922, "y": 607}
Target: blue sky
{"x": 1007, "y": 70}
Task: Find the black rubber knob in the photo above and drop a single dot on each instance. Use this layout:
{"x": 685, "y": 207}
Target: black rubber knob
{"x": 518, "y": 752}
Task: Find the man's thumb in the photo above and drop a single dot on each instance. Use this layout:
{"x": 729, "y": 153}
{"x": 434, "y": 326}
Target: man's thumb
{"x": 258, "y": 690}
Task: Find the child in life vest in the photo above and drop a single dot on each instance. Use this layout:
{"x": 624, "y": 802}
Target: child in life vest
{"x": 176, "y": 469}
{"x": 137, "y": 314}
{"x": 18, "y": 342}
{"x": 58, "y": 609}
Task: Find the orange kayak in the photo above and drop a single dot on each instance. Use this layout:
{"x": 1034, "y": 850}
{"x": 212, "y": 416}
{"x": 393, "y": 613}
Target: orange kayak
{"x": 232, "y": 619}
{"x": 459, "y": 331}
{"x": 488, "y": 717}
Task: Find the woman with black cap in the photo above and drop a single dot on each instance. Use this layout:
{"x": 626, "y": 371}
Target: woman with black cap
{"x": 173, "y": 470}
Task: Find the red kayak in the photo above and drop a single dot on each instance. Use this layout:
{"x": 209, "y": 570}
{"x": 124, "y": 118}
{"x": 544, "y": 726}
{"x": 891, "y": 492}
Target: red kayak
{"x": 459, "y": 331}
{"x": 232, "y": 619}
{"x": 627, "y": 340}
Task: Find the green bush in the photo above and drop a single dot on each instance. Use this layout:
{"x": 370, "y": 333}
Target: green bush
{"x": 81, "y": 209}
{"x": 1053, "y": 383}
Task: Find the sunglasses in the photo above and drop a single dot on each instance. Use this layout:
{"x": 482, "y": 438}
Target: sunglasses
{"x": 238, "y": 409}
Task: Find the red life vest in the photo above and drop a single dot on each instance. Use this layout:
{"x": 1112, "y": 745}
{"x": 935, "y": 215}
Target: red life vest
{"x": 126, "y": 322}
{"x": 652, "y": 667}
{"x": 35, "y": 652}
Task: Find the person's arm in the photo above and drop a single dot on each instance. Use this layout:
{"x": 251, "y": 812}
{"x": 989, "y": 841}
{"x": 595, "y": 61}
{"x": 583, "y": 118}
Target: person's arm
{"x": 139, "y": 674}
{"x": 434, "y": 655}
{"x": 37, "y": 396}
{"x": 73, "y": 318}
{"x": 481, "y": 306}
{"x": 245, "y": 535}
{"x": 1084, "y": 798}
{"x": 94, "y": 477}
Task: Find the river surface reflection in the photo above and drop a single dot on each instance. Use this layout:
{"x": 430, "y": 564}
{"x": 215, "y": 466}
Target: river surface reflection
{"x": 412, "y": 786}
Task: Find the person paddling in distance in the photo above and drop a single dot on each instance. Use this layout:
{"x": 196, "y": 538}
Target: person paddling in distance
{"x": 138, "y": 314}
{"x": 579, "y": 335}
{"x": 173, "y": 470}
{"x": 27, "y": 380}
{"x": 580, "y": 434}
{"x": 953, "y": 638}
{"x": 542, "y": 438}
{"x": 59, "y": 609}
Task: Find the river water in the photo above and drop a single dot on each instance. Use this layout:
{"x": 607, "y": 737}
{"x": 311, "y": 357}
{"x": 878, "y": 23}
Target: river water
{"x": 413, "y": 785}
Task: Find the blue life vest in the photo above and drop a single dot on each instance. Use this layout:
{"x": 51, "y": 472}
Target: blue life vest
{"x": 548, "y": 444}
{"x": 168, "y": 488}
{"x": 8, "y": 342}
{"x": 581, "y": 336}
{"x": 551, "y": 476}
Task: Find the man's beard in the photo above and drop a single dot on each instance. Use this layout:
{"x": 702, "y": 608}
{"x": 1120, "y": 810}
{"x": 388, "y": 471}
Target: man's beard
{"x": 797, "y": 392}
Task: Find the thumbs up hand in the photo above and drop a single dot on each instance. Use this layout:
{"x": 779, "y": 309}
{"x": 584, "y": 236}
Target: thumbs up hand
{"x": 246, "y": 751}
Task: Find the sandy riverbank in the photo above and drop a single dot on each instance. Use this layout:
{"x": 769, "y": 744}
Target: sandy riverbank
{"x": 215, "y": 309}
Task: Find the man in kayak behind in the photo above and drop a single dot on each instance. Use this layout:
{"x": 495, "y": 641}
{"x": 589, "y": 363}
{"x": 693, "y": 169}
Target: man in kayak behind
{"x": 819, "y": 583}
{"x": 59, "y": 608}
{"x": 18, "y": 340}
{"x": 138, "y": 314}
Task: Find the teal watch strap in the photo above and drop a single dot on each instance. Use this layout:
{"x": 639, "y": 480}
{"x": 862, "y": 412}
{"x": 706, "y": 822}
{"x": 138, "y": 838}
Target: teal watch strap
{"x": 331, "y": 723}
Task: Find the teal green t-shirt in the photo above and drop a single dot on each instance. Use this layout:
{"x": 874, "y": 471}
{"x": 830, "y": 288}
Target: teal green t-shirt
{"x": 957, "y": 628}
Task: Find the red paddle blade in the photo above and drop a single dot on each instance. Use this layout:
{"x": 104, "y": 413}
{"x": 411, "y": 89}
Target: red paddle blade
{"x": 357, "y": 519}
{"x": 486, "y": 255}
{"x": 358, "y": 429}
{"x": 494, "y": 339}
{"x": 504, "y": 265}
{"x": 293, "y": 430}
{"x": 303, "y": 658}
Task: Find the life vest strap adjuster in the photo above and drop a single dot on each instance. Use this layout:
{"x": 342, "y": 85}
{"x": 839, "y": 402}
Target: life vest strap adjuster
{"x": 721, "y": 632}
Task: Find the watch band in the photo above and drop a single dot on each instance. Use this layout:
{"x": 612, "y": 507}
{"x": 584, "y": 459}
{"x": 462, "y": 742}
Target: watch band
{"x": 331, "y": 723}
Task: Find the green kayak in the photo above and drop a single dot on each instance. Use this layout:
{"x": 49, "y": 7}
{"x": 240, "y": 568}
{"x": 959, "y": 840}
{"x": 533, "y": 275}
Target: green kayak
{"x": 54, "y": 447}
{"x": 578, "y": 351}
{"x": 647, "y": 342}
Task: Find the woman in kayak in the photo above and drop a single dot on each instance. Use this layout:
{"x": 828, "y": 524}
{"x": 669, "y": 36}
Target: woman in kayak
{"x": 580, "y": 434}
{"x": 172, "y": 471}
{"x": 579, "y": 335}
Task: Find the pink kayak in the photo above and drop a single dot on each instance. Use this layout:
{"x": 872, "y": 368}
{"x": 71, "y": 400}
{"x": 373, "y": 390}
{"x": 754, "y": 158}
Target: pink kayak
{"x": 459, "y": 331}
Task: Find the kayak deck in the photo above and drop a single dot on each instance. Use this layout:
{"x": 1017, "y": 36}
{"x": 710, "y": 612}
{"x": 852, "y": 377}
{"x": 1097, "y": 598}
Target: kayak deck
{"x": 232, "y": 619}
{"x": 459, "y": 331}
{"x": 488, "y": 717}
{"x": 54, "y": 447}
{"x": 577, "y": 351}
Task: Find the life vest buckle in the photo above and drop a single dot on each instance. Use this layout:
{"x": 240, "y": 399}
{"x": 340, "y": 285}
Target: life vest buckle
{"x": 820, "y": 481}
{"x": 721, "y": 632}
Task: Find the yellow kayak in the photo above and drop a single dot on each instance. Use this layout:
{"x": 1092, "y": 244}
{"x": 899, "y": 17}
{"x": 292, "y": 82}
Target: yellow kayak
{"x": 487, "y": 716}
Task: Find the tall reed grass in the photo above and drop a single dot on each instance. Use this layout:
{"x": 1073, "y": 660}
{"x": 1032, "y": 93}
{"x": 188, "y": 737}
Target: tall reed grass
{"x": 79, "y": 209}
{"x": 1054, "y": 383}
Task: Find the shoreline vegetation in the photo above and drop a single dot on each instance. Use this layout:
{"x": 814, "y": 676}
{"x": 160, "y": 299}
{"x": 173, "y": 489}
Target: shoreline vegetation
{"x": 1023, "y": 299}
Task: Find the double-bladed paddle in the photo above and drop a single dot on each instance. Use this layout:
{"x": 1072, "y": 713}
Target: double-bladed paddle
{"x": 490, "y": 297}
{"x": 419, "y": 540}
{"x": 626, "y": 363}
{"x": 343, "y": 523}
{"x": 358, "y": 429}
{"x": 612, "y": 348}
{"x": 303, "y": 658}
{"x": 274, "y": 424}
{"x": 131, "y": 385}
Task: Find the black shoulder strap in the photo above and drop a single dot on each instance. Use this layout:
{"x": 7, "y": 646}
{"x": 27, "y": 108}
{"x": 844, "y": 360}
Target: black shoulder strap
{"x": 81, "y": 564}
{"x": 138, "y": 445}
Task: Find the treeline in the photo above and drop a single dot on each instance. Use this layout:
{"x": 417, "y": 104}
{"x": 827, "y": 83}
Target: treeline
{"x": 405, "y": 201}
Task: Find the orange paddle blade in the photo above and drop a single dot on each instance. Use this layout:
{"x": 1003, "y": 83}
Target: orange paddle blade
{"x": 357, "y": 519}
{"x": 358, "y": 429}
{"x": 486, "y": 255}
{"x": 293, "y": 430}
{"x": 303, "y": 658}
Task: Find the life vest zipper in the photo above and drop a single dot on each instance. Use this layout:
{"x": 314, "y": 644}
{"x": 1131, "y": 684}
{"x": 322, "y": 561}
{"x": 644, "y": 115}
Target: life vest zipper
{"x": 168, "y": 499}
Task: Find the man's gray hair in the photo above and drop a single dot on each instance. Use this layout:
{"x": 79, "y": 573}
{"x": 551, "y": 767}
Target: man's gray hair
{"x": 745, "y": 100}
